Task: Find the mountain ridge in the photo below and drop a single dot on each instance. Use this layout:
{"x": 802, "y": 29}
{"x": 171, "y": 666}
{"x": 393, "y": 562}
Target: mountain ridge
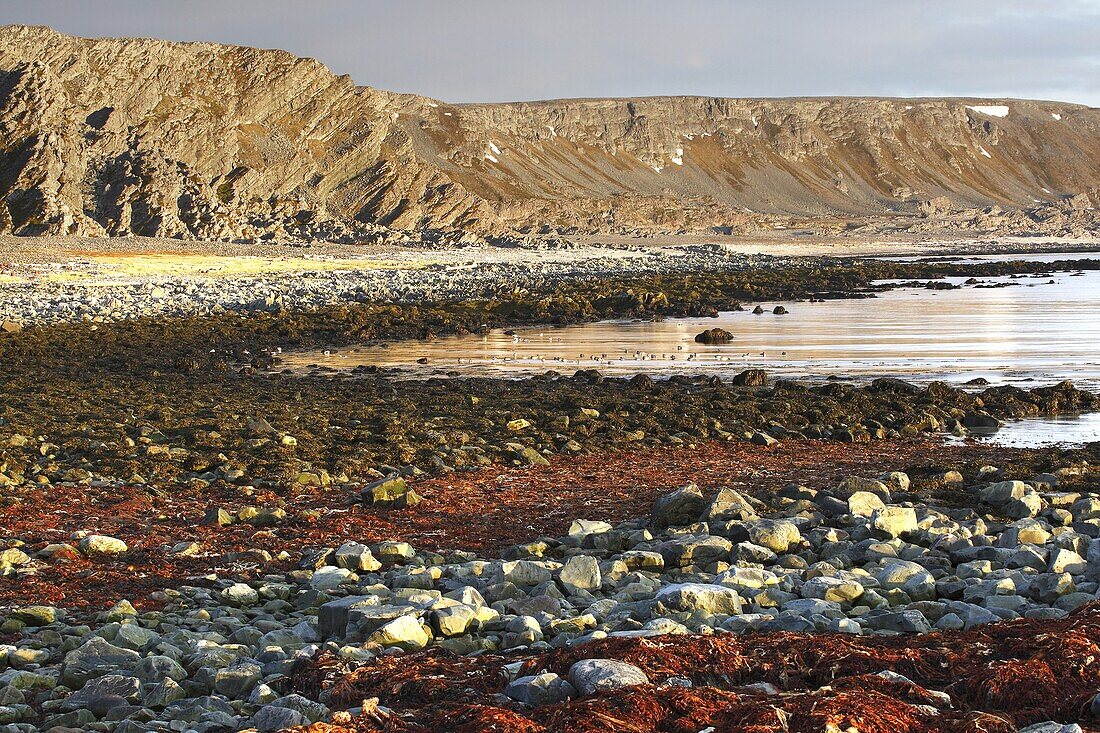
{"x": 203, "y": 140}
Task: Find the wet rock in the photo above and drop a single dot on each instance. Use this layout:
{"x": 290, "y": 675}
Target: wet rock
{"x": 975, "y": 419}
{"x": 750, "y": 378}
{"x": 714, "y": 336}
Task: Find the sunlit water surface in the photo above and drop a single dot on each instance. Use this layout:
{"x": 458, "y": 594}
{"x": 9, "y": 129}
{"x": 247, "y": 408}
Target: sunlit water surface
{"x": 1041, "y": 329}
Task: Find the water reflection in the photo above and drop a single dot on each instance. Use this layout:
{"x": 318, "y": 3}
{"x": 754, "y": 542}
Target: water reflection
{"x": 1037, "y": 329}
{"x": 1036, "y": 432}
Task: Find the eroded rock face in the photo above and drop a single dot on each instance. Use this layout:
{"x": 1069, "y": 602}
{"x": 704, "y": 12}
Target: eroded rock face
{"x": 124, "y": 137}
{"x": 200, "y": 140}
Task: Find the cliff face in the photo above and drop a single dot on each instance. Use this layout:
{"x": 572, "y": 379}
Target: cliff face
{"x": 135, "y": 136}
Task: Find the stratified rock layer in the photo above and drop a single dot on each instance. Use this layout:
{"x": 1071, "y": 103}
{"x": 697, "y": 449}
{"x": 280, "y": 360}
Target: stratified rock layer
{"x": 199, "y": 140}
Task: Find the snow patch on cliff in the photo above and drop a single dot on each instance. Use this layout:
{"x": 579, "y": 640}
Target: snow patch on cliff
{"x": 993, "y": 110}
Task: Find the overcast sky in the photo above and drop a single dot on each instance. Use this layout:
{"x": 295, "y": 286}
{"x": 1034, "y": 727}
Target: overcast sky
{"x": 496, "y": 50}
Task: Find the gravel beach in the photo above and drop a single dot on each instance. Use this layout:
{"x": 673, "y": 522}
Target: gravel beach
{"x": 333, "y": 408}
{"x": 195, "y": 539}
{"x": 56, "y": 280}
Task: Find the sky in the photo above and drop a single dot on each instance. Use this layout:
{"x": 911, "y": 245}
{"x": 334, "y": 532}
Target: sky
{"x": 507, "y": 50}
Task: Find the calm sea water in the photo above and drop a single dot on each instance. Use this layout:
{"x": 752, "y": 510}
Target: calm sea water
{"x": 1039, "y": 330}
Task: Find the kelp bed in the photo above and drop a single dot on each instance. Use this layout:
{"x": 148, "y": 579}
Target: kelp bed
{"x": 998, "y": 678}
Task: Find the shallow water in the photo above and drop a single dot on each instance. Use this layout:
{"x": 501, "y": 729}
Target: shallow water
{"x": 1036, "y": 432}
{"x": 1037, "y": 331}
{"x": 1030, "y": 332}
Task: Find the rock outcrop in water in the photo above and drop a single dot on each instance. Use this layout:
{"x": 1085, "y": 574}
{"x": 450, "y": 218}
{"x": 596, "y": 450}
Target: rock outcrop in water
{"x": 714, "y": 336}
{"x": 199, "y": 140}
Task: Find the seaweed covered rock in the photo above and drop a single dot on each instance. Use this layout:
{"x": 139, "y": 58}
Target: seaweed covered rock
{"x": 750, "y": 378}
{"x": 714, "y": 336}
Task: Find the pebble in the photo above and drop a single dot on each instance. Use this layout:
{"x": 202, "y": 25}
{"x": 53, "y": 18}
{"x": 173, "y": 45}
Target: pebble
{"x": 857, "y": 558}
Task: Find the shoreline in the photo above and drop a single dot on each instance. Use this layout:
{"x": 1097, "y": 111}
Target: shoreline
{"x": 192, "y": 540}
{"x": 142, "y": 373}
{"x": 83, "y": 291}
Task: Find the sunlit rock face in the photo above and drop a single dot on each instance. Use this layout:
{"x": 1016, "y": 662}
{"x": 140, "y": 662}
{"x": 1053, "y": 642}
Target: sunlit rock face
{"x": 138, "y": 136}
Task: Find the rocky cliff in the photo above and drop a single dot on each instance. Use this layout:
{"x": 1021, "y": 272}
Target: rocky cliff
{"x": 199, "y": 140}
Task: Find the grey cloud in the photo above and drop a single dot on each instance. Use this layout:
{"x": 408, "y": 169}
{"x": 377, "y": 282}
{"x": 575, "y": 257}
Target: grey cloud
{"x": 489, "y": 50}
